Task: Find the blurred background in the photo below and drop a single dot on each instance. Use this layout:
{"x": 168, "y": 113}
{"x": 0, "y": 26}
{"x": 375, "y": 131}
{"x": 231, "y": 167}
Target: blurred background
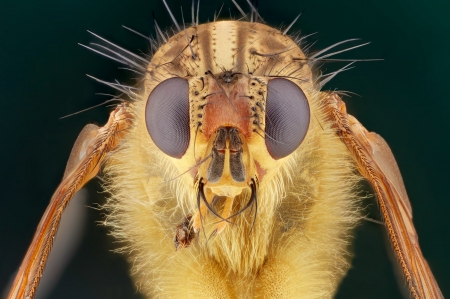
{"x": 42, "y": 78}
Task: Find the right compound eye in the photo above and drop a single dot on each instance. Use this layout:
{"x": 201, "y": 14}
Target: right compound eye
{"x": 167, "y": 116}
{"x": 287, "y": 117}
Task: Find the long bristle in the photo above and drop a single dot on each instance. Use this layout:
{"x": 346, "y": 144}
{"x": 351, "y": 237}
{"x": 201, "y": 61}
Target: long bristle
{"x": 137, "y": 33}
{"x": 120, "y": 87}
{"x": 217, "y": 16}
{"x": 293, "y": 22}
{"x": 103, "y": 54}
{"x": 125, "y": 59}
{"x": 334, "y": 74}
{"x": 338, "y": 52}
{"x": 120, "y": 48}
{"x": 171, "y": 15}
{"x": 187, "y": 37}
{"x": 198, "y": 11}
{"x": 244, "y": 15}
{"x": 255, "y": 12}
{"x": 159, "y": 32}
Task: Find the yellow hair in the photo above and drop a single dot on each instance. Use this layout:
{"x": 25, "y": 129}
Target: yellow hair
{"x": 297, "y": 248}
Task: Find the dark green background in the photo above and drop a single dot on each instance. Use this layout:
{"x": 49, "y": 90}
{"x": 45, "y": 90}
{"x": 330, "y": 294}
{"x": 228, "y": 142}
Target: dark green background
{"x": 42, "y": 77}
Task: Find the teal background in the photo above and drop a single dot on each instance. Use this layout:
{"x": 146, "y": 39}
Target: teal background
{"x": 42, "y": 77}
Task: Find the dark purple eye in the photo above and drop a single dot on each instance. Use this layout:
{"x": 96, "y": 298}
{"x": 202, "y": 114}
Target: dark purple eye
{"x": 287, "y": 117}
{"x": 167, "y": 116}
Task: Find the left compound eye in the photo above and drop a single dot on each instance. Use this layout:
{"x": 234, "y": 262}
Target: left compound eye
{"x": 167, "y": 116}
{"x": 287, "y": 117}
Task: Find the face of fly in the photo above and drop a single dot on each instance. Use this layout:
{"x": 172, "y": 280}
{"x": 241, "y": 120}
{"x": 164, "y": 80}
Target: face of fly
{"x": 232, "y": 129}
{"x": 235, "y": 114}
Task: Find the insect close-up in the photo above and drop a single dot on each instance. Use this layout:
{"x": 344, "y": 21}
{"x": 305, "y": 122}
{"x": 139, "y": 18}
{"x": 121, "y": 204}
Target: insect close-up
{"x": 228, "y": 160}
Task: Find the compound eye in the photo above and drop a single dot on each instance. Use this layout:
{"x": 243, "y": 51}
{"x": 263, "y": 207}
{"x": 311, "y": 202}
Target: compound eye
{"x": 167, "y": 116}
{"x": 287, "y": 117}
